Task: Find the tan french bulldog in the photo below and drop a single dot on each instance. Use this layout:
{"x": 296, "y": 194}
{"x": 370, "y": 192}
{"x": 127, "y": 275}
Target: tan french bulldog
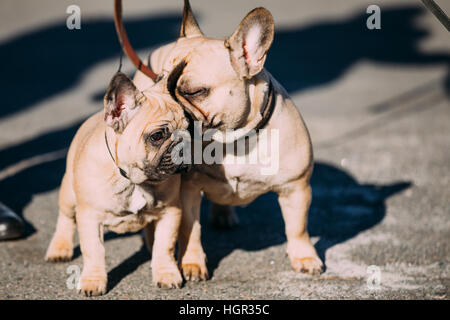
{"x": 120, "y": 176}
{"x": 223, "y": 83}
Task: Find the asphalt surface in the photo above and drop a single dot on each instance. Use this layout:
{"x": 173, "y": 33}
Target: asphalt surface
{"x": 375, "y": 101}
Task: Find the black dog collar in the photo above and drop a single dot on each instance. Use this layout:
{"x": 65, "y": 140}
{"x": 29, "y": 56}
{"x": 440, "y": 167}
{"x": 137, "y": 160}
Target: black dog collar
{"x": 267, "y": 109}
{"x": 122, "y": 172}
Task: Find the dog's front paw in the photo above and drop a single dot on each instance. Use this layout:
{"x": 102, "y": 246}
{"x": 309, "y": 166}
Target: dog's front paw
{"x": 169, "y": 278}
{"x": 310, "y": 265}
{"x": 59, "y": 251}
{"x": 194, "y": 272}
{"x": 90, "y": 286}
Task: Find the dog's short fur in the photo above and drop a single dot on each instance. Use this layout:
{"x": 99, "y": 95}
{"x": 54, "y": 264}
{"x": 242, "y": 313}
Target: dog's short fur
{"x": 136, "y": 127}
{"x": 223, "y": 83}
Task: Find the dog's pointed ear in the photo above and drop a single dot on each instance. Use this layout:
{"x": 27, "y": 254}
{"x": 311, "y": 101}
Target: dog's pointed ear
{"x": 250, "y": 42}
{"x": 189, "y": 26}
{"x": 121, "y": 101}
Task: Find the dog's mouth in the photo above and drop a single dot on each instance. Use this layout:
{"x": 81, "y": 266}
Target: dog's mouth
{"x": 166, "y": 166}
{"x": 163, "y": 172}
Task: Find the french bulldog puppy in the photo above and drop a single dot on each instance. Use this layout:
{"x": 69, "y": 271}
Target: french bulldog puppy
{"x": 223, "y": 84}
{"x": 120, "y": 176}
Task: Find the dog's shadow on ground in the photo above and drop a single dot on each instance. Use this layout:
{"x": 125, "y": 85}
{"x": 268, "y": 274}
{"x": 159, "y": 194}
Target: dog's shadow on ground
{"x": 318, "y": 54}
{"x": 341, "y": 208}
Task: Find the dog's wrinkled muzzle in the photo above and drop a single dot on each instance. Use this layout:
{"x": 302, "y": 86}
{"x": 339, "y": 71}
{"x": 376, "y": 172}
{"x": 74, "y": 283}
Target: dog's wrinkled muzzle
{"x": 166, "y": 165}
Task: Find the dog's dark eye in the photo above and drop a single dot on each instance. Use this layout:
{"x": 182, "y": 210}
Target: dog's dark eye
{"x": 195, "y": 93}
{"x": 157, "y": 137}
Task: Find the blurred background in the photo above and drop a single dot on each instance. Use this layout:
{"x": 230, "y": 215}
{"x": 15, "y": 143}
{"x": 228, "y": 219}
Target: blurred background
{"x": 376, "y": 103}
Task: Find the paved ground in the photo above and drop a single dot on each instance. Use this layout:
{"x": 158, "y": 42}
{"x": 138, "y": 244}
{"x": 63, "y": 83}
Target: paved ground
{"x": 377, "y": 106}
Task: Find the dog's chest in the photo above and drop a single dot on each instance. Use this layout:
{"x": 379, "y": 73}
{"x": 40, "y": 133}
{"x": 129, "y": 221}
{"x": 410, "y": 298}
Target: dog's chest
{"x": 233, "y": 184}
{"x": 133, "y": 207}
{"x": 245, "y": 181}
{"x": 132, "y": 198}
{"x": 245, "y": 171}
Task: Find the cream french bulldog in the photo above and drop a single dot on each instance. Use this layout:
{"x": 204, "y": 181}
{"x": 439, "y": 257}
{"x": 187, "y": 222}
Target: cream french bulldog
{"x": 120, "y": 176}
{"x": 223, "y": 84}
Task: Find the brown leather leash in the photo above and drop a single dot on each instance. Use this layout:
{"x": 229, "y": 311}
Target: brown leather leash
{"x": 125, "y": 43}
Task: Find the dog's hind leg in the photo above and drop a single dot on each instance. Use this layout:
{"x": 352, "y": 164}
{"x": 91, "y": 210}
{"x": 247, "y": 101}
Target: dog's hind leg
{"x": 223, "y": 217}
{"x": 61, "y": 245}
{"x": 295, "y": 199}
